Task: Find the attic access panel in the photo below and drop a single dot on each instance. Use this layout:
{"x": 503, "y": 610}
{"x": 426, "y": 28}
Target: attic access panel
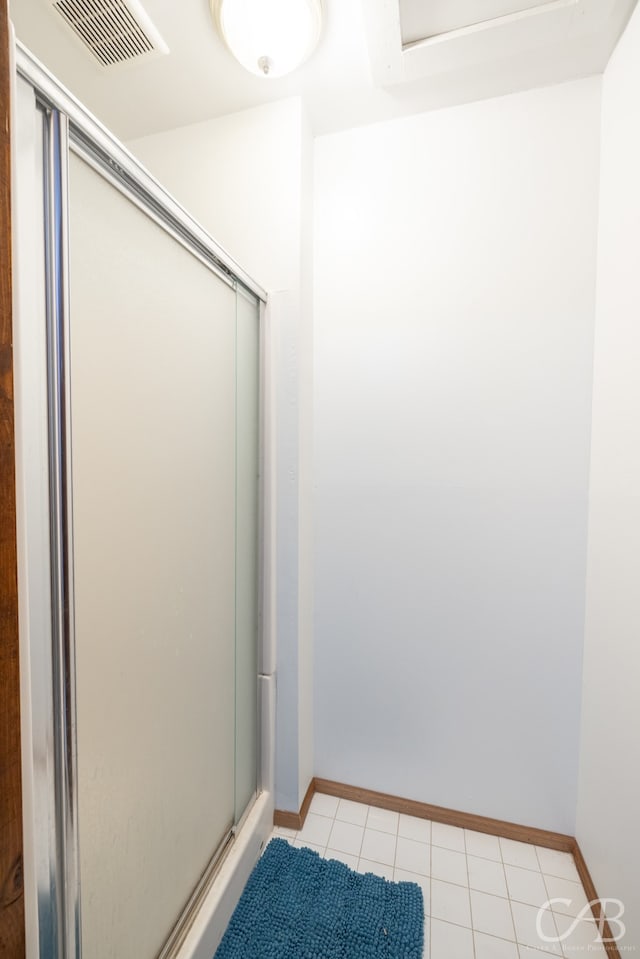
{"x": 424, "y": 19}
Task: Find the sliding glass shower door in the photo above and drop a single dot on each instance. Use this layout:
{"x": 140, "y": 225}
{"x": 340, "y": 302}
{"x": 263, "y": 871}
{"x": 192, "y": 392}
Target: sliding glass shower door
{"x": 139, "y": 355}
{"x": 153, "y": 435}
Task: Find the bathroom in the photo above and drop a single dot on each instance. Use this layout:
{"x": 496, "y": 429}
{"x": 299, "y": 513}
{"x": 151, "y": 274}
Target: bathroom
{"x": 451, "y": 400}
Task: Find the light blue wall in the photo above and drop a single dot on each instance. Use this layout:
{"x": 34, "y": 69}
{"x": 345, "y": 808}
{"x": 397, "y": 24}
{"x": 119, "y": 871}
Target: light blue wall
{"x": 454, "y": 306}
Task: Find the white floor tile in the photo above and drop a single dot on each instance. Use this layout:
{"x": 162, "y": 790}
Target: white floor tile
{"x": 426, "y": 953}
{"x": 491, "y": 915}
{"x": 572, "y": 892}
{"x": 488, "y": 947}
{"x": 528, "y": 952}
{"x": 524, "y": 885}
{"x": 316, "y": 829}
{"x": 485, "y": 875}
{"x": 379, "y": 846}
{"x": 401, "y": 875}
{"x": 346, "y": 837}
{"x": 519, "y": 854}
{"x": 527, "y": 924}
{"x": 282, "y": 832}
{"x": 449, "y": 866}
{"x": 555, "y": 863}
{"x": 449, "y": 941}
{"x": 324, "y": 805}
{"x": 450, "y": 903}
{"x": 383, "y": 820}
{"x": 350, "y": 861}
{"x": 482, "y": 845}
{"x": 410, "y": 827}
{"x": 303, "y": 844}
{"x": 580, "y": 939}
{"x": 450, "y": 837}
{"x": 377, "y": 868}
{"x": 413, "y": 856}
{"x": 482, "y": 894}
{"x": 353, "y": 812}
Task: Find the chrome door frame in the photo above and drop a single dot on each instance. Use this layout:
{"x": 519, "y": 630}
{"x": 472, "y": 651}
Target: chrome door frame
{"x": 46, "y": 575}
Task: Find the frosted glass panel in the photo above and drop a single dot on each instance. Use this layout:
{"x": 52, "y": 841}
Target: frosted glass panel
{"x": 247, "y": 519}
{"x": 154, "y": 478}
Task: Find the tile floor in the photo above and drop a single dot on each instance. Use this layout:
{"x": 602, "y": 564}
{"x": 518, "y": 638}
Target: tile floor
{"x": 481, "y": 894}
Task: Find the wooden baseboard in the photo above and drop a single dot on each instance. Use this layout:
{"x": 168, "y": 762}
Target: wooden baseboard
{"x": 411, "y": 807}
{"x": 295, "y": 820}
{"x": 452, "y": 817}
{"x": 592, "y": 896}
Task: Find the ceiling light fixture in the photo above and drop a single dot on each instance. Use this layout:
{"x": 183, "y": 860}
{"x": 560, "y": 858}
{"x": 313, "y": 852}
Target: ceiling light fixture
{"x": 269, "y": 37}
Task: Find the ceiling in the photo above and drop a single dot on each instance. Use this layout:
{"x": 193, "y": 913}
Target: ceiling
{"x": 377, "y": 59}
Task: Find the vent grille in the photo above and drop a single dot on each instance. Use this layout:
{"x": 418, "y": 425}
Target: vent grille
{"x": 111, "y": 29}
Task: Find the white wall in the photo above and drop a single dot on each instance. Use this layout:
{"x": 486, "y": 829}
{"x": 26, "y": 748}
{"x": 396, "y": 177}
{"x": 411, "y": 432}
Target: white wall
{"x": 454, "y": 305}
{"x": 609, "y": 791}
{"x": 245, "y": 177}
{"x": 240, "y": 175}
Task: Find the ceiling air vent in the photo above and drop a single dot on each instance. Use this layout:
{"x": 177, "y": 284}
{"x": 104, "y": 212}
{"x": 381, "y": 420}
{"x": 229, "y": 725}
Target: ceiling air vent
{"x": 115, "y": 31}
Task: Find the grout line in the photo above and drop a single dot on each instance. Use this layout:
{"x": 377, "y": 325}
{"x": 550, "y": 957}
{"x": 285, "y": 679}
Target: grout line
{"x": 509, "y": 900}
{"x": 553, "y": 918}
{"x": 430, "y": 889}
{"x": 466, "y": 863}
{"x": 459, "y": 925}
{"x": 395, "y": 848}
{"x": 488, "y": 858}
{"x": 492, "y": 935}
{"x": 363, "y": 832}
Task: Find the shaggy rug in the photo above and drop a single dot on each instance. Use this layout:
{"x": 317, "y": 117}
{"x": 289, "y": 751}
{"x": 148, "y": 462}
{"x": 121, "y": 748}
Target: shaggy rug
{"x": 297, "y": 905}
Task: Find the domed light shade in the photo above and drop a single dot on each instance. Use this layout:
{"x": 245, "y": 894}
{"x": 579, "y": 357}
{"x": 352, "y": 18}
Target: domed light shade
{"x": 269, "y": 37}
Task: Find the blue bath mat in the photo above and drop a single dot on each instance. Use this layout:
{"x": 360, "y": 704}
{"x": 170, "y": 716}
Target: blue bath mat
{"x": 297, "y": 905}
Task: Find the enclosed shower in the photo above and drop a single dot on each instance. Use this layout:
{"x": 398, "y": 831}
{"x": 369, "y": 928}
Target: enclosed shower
{"x": 142, "y": 444}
